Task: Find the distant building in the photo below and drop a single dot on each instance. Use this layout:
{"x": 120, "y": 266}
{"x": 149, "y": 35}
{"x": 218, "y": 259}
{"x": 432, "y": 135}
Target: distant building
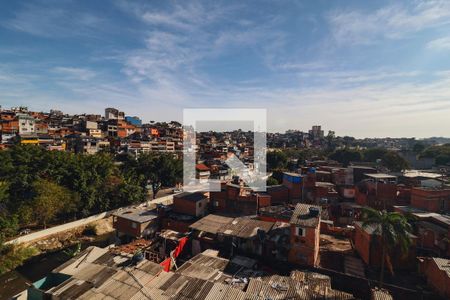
{"x": 26, "y": 124}
{"x": 416, "y": 162}
{"x": 316, "y": 133}
{"x": 202, "y": 172}
{"x": 134, "y": 121}
{"x": 113, "y": 114}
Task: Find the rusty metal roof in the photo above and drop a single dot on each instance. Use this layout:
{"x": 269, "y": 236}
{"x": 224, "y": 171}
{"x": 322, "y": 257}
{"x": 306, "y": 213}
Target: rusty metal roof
{"x": 302, "y": 215}
{"x": 205, "y": 276}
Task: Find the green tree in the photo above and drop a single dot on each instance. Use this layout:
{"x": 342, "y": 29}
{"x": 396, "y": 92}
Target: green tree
{"x": 272, "y": 181}
{"x": 419, "y": 147}
{"x": 12, "y": 256}
{"x": 441, "y": 153}
{"x": 9, "y": 224}
{"x": 276, "y": 160}
{"x": 394, "y": 162}
{"x": 4, "y": 194}
{"x": 50, "y": 200}
{"x": 345, "y": 156}
{"x": 373, "y": 154}
{"x": 95, "y": 182}
{"x": 393, "y": 229}
{"x": 160, "y": 170}
{"x": 331, "y": 140}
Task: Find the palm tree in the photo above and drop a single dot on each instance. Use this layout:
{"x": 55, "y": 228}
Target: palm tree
{"x": 393, "y": 229}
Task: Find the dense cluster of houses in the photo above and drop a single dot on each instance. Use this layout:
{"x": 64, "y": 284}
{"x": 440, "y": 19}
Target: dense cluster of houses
{"x": 87, "y": 133}
{"x": 240, "y": 243}
{"x": 285, "y": 224}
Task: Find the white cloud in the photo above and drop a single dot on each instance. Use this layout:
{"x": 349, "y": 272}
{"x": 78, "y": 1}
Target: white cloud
{"x": 390, "y": 22}
{"x": 439, "y": 44}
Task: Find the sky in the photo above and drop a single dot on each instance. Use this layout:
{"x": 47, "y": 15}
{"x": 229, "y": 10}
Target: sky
{"x": 360, "y": 68}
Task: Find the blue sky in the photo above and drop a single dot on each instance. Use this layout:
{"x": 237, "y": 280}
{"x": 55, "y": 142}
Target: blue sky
{"x": 361, "y": 68}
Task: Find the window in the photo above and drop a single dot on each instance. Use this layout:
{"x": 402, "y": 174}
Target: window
{"x": 199, "y": 204}
{"x": 133, "y": 225}
{"x": 300, "y": 231}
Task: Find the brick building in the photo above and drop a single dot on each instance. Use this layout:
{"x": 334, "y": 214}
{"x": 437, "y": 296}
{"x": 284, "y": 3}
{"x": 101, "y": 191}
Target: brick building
{"x": 437, "y": 272}
{"x": 294, "y": 183}
{"x": 135, "y": 223}
{"x": 431, "y": 199}
{"x": 192, "y": 204}
{"x": 432, "y": 230}
{"x": 368, "y": 245}
{"x": 379, "y": 191}
{"x": 235, "y": 198}
{"x": 305, "y": 235}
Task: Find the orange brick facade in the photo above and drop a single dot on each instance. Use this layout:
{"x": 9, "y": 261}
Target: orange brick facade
{"x": 437, "y": 278}
{"x": 304, "y": 249}
{"x": 432, "y": 200}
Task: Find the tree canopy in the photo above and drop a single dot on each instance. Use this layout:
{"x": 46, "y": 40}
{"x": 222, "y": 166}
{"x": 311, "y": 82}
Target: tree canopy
{"x": 389, "y": 159}
{"x": 38, "y": 187}
{"x": 393, "y": 229}
{"x": 345, "y": 156}
{"x": 440, "y": 153}
{"x": 276, "y": 160}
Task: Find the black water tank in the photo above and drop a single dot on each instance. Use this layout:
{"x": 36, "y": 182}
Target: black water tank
{"x": 314, "y": 211}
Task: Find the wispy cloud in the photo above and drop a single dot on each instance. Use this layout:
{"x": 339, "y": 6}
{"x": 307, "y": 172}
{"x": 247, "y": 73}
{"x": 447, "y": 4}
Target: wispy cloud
{"x": 390, "y": 22}
{"x": 75, "y": 73}
{"x": 439, "y": 44}
{"x": 53, "y": 20}
{"x": 177, "y": 54}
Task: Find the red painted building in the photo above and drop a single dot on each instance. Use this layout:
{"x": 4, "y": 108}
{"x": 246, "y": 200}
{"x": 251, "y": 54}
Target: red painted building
{"x": 368, "y": 245}
{"x": 192, "y": 204}
{"x": 135, "y": 223}
{"x": 437, "y": 272}
{"x": 305, "y": 235}
{"x": 431, "y": 199}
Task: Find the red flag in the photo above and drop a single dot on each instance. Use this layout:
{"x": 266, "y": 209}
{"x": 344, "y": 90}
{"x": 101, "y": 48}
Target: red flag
{"x": 166, "y": 264}
{"x": 180, "y": 247}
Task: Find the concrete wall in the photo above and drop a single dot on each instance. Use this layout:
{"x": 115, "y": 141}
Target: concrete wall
{"x": 82, "y": 222}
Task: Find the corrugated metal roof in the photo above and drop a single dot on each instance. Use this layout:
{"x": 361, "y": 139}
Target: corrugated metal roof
{"x": 203, "y": 277}
{"x": 118, "y": 289}
{"x": 211, "y": 223}
{"x": 302, "y": 216}
{"x": 96, "y": 274}
{"x": 149, "y": 267}
{"x": 443, "y": 264}
{"x": 200, "y": 271}
{"x": 177, "y": 285}
{"x": 381, "y": 294}
{"x": 245, "y": 227}
{"x": 160, "y": 280}
{"x": 217, "y": 292}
